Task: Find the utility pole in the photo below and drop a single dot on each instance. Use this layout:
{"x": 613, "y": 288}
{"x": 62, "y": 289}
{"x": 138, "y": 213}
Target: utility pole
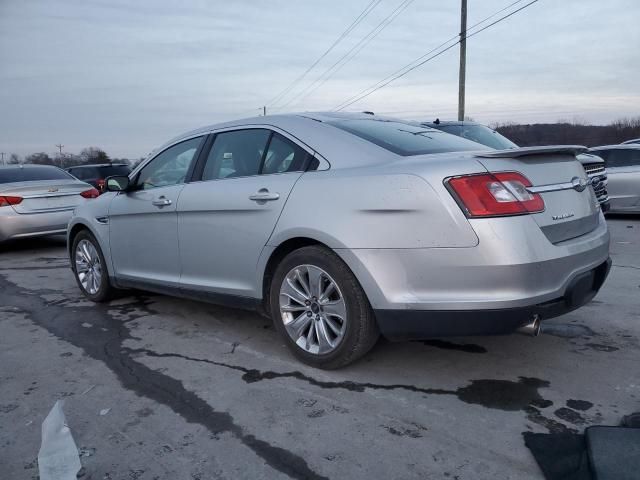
{"x": 264, "y": 111}
{"x": 463, "y": 59}
{"x": 2, "y": 153}
{"x": 59, "y": 145}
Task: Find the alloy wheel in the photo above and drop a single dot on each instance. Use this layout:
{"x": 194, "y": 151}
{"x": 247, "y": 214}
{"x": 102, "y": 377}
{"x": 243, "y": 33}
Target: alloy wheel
{"x": 313, "y": 309}
{"x": 88, "y": 266}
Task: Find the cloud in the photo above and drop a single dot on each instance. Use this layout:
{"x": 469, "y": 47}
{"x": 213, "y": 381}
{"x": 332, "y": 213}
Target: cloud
{"x": 126, "y": 76}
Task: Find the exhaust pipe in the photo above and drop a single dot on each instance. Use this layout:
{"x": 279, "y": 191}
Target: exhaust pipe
{"x": 532, "y": 328}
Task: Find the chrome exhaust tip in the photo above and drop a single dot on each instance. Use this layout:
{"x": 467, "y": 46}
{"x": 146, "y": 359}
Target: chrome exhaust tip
{"x": 532, "y": 328}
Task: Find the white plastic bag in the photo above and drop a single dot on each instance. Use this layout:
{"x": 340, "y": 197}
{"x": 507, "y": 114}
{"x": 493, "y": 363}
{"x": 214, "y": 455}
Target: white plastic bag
{"x": 58, "y": 457}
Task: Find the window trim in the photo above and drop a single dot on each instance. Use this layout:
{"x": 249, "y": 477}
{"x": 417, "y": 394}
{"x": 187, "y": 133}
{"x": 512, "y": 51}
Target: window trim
{"x": 135, "y": 174}
{"x": 202, "y": 159}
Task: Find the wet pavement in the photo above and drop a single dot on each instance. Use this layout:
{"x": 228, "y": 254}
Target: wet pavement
{"x": 157, "y": 387}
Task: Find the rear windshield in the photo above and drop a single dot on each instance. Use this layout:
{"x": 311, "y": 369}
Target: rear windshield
{"x": 32, "y": 174}
{"x": 114, "y": 170}
{"x": 479, "y": 134}
{"x": 96, "y": 172}
{"x": 405, "y": 138}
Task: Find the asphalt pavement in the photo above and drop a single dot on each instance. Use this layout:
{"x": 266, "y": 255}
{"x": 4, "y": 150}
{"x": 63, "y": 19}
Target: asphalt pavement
{"x": 163, "y": 388}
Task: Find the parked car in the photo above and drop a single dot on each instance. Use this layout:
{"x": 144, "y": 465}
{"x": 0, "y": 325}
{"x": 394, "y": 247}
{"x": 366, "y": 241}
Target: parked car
{"x": 96, "y": 174}
{"x": 38, "y": 200}
{"x": 341, "y": 226}
{"x": 593, "y": 165}
{"x": 623, "y": 168}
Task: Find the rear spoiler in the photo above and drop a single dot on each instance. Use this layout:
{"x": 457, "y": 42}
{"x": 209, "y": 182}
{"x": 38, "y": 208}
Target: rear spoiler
{"x": 526, "y": 151}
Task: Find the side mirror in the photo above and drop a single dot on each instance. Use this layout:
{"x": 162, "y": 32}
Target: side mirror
{"x": 118, "y": 183}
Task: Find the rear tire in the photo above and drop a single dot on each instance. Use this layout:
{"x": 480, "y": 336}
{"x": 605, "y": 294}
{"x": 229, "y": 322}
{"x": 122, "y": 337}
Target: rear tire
{"x": 89, "y": 268}
{"x": 320, "y": 309}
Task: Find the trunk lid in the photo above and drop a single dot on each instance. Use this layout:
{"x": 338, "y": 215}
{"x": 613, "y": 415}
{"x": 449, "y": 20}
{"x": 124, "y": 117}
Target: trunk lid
{"x": 45, "y": 196}
{"x": 571, "y": 208}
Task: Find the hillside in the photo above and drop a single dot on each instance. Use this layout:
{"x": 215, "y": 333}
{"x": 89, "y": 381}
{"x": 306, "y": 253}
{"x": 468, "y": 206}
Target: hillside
{"x": 570, "y": 133}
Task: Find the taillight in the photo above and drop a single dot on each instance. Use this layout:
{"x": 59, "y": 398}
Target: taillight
{"x": 6, "y": 201}
{"x": 495, "y": 194}
{"x": 91, "y": 193}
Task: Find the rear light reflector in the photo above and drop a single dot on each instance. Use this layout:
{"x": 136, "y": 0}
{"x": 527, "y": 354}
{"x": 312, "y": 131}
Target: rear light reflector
{"x": 495, "y": 194}
{"x": 6, "y": 201}
{"x": 91, "y": 193}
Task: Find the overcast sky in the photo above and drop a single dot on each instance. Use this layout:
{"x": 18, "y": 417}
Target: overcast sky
{"x": 127, "y": 75}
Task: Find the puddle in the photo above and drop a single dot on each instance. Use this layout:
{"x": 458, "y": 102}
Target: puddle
{"x": 462, "y": 347}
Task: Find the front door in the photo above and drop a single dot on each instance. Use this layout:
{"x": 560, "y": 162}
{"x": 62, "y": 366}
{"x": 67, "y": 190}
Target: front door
{"x": 143, "y": 230}
{"x": 225, "y": 220}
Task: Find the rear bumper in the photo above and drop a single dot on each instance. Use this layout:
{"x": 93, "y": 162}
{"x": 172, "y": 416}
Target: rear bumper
{"x": 417, "y": 324}
{"x": 14, "y": 225}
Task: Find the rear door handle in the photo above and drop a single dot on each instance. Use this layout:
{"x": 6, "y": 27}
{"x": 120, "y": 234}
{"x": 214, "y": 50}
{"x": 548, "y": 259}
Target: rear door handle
{"x": 161, "y": 202}
{"x": 263, "y": 195}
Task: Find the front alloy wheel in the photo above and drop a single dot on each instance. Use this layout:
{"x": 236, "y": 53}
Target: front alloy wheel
{"x": 89, "y": 267}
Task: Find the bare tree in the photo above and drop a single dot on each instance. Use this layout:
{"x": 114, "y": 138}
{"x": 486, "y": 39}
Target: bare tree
{"x": 91, "y": 155}
{"x": 14, "y": 159}
{"x": 40, "y": 158}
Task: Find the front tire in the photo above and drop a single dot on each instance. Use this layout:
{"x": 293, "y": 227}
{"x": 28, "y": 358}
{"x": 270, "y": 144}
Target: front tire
{"x": 320, "y": 309}
{"x": 89, "y": 268}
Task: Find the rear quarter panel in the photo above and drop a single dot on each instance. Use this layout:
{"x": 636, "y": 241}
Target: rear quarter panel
{"x": 373, "y": 208}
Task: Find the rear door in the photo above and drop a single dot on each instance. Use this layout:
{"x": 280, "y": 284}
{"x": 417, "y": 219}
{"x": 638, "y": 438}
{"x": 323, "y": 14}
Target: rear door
{"x": 143, "y": 228}
{"x": 623, "y": 170}
{"x": 569, "y": 212}
{"x": 226, "y": 218}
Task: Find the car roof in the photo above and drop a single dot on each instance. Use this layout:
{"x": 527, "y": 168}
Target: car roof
{"x": 456, "y": 123}
{"x": 29, "y": 165}
{"x": 632, "y": 146}
{"x": 100, "y": 165}
{"x": 631, "y": 141}
{"x": 312, "y": 130}
{"x": 280, "y": 120}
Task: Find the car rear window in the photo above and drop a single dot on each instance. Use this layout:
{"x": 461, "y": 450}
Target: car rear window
{"x": 405, "y": 139}
{"x": 479, "y": 134}
{"x": 618, "y": 157}
{"x": 114, "y": 170}
{"x": 32, "y": 174}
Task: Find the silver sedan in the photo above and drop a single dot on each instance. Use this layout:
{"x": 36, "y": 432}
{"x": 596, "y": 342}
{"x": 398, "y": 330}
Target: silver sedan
{"x": 38, "y": 200}
{"x": 623, "y": 169}
{"x": 341, "y": 227}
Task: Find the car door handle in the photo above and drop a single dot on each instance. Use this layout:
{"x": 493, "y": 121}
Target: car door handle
{"x": 161, "y": 202}
{"x": 263, "y": 195}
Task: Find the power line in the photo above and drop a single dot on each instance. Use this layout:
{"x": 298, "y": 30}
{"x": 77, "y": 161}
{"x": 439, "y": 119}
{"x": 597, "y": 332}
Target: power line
{"x": 428, "y": 57}
{"x": 328, "y": 73}
{"x": 429, "y": 53}
{"x": 373, "y": 4}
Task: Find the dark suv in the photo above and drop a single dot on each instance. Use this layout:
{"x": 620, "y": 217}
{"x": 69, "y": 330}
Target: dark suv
{"x": 96, "y": 174}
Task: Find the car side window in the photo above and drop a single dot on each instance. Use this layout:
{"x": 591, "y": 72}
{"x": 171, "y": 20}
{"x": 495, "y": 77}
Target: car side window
{"x": 283, "y": 156}
{"x": 78, "y": 173}
{"x": 169, "y": 167}
{"x": 604, "y": 154}
{"x": 237, "y": 153}
{"x": 620, "y": 158}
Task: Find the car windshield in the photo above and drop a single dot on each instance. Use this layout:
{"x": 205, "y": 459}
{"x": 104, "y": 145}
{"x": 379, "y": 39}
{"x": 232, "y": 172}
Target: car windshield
{"x": 404, "y": 138}
{"x": 32, "y": 174}
{"x": 480, "y": 134}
